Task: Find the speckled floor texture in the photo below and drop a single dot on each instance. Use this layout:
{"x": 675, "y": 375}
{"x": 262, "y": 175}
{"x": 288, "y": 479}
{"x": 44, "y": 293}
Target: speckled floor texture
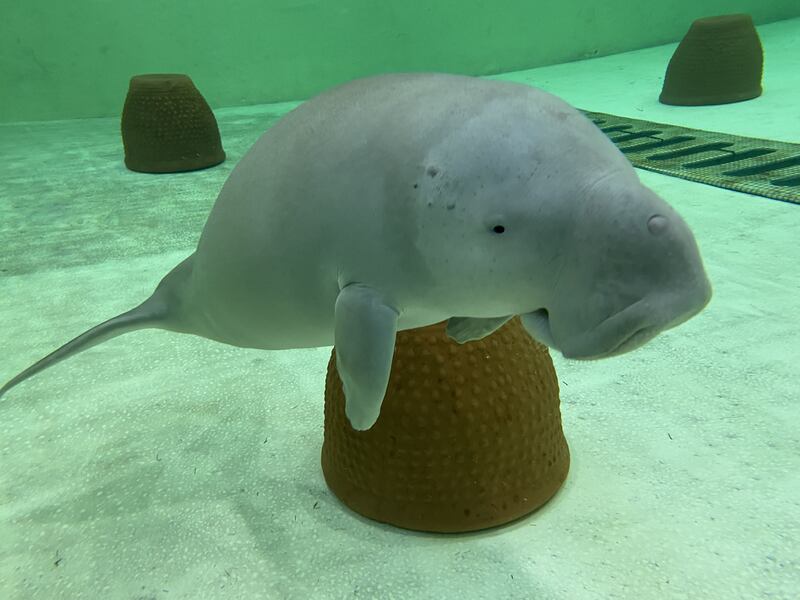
{"x": 161, "y": 466}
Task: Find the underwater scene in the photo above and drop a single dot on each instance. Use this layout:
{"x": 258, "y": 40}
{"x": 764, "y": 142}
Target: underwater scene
{"x": 306, "y": 300}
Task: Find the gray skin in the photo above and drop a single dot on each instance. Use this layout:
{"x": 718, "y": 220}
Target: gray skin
{"x": 399, "y": 201}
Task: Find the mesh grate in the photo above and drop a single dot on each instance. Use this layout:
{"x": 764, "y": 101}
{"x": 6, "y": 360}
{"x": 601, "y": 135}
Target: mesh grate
{"x": 754, "y": 166}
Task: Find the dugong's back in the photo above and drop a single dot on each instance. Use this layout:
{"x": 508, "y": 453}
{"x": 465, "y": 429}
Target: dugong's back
{"x": 324, "y": 198}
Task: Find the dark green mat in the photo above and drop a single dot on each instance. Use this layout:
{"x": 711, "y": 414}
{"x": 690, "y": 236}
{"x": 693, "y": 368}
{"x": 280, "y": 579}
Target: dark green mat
{"x": 754, "y": 166}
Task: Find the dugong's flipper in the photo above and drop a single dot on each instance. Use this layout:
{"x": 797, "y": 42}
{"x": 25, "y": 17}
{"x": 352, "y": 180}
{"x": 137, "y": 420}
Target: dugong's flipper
{"x": 468, "y": 329}
{"x": 364, "y": 336}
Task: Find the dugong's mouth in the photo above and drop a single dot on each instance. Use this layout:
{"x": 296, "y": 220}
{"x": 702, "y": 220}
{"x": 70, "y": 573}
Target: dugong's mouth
{"x": 620, "y": 333}
{"x": 634, "y": 340}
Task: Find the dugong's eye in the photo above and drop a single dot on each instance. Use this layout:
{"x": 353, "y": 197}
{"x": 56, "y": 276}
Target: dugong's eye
{"x": 498, "y": 229}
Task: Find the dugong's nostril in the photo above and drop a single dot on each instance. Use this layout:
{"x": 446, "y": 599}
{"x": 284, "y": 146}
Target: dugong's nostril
{"x": 657, "y": 224}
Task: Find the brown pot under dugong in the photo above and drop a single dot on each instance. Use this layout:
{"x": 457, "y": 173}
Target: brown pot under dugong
{"x": 469, "y": 435}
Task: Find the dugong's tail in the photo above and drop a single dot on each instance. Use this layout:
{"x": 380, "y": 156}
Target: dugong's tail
{"x": 158, "y": 311}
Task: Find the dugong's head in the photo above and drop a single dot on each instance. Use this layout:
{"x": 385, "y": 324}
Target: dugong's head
{"x": 630, "y": 270}
{"x": 533, "y": 211}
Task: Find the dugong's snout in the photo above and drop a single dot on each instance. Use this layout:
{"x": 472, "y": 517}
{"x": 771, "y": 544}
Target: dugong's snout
{"x": 633, "y": 269}
{"x": 620, "y": 312}
{"x": 634, "y": 326}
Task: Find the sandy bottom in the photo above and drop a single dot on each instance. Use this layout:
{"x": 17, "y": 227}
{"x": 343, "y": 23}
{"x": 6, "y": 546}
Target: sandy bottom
{"x": 161, "y": 466}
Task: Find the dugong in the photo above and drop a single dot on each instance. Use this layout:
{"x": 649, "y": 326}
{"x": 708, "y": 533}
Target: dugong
{"x": 402, "y": 200}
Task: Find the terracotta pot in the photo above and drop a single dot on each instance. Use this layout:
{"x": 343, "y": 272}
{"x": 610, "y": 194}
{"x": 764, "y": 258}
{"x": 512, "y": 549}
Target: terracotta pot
{"x": 720, "y": 60}
{"x": 469, "y": 435}
{"x": 167, "y": 126}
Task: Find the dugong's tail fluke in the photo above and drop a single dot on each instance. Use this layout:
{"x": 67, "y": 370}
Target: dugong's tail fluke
{"x": 161, "y": 310}
{"x": 143, "y": 316}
